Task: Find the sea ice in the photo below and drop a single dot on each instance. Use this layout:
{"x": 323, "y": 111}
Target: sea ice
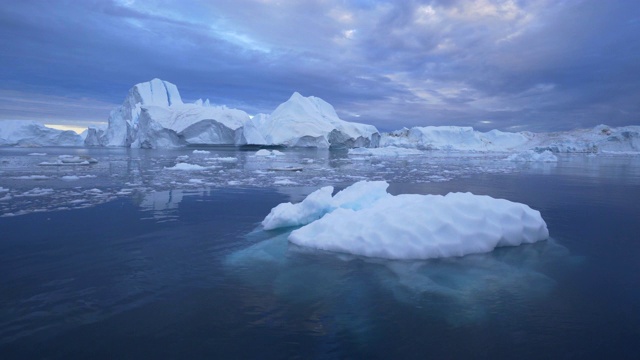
{"x": 265, "y": 152}
{"x": 320, "y": 202}
{"x": 364, "y": 219}
{"x": 182, "y": 166}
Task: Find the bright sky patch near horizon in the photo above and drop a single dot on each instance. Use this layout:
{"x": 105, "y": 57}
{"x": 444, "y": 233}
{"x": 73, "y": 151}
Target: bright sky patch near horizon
{"x": 536, "y": 65}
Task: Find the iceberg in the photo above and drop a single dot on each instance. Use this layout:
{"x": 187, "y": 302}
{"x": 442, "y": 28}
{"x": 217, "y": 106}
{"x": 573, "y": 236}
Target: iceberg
{"x": 461, "y": 138}
{"x": 34, "y": 134}
{"x": 308, "y": 122}
{"x": 365, "y": 220}
{"x": 320, "y": 202}
{"x": 153, "y": 115}
{"x": 601, "y": 138}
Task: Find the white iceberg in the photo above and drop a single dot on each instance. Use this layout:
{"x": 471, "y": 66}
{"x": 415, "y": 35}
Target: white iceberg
{"x": 601, "y": 138}
{"x": 153, "y": 115}
{"x": 308, "y": 122}
{"x": 365, "y": 220}
{"x": 320, "y": 203}
{"x": 34, "y": 134}
{"x": 461, "y": 138}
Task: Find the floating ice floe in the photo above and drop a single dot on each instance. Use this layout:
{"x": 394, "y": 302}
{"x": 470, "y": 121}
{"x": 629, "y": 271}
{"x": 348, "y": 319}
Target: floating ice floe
{"x": 201, "y": 152}
{"x": 365, "y": 220}
{"x": 228, "y": 159}
{"x": 76, "y": 177}
{"x": 265, "y": 152}
{"x": 182, "y": 166}
{"x": 70, "y": 160}
{"x": 31, "y": 177}
{"x": 532, "y": 156}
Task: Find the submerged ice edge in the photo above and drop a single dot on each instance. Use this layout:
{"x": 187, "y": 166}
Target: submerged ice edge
{"x": 26, "y": 187}
{"x": 460, "y": 290}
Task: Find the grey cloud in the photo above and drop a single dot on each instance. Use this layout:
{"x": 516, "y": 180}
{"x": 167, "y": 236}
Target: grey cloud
{"x": 553, "y": 65}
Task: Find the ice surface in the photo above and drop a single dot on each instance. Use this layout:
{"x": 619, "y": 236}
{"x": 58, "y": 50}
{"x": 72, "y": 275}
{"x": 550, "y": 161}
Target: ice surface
{"x": 34, "y": 134}
{"x": 364, "y": 219}
{"x": 320, "y": 203}
{"x": 154, "y": 116}
{"x": 188, "y": 167}
{"x": 308, "y": 122}
{"x": 601, "y": 138}
{"x": 454, "y": 138}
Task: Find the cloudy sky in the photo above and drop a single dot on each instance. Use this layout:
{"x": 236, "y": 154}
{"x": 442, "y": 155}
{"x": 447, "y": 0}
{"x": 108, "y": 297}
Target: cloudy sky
{"x": 536, "y": 65}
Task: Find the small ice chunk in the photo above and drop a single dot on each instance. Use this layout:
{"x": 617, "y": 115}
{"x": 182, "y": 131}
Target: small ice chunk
{"x": 187, "y": 167}
{"x": 182, "y": 158}
{"x": 265, "y": 152}
{"x": 37, "y": 192}
{"x": 285, "y": 182}
{"x": 37, "y": 154}
{"x": 224, "y": 159}
{"x": 3, "y": 189}
{"x": 31, "y": 177}
{"x": 201, "y": 152}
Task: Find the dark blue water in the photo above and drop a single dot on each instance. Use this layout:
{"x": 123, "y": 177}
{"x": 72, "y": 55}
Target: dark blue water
{"x": 186, "y": 275}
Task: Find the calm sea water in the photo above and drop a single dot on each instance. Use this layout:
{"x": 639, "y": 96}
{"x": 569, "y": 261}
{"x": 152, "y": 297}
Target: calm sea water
{"x": 166, "y": 265}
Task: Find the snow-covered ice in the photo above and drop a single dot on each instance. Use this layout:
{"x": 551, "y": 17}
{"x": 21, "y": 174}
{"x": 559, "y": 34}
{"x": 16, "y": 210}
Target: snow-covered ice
{"x": 308, "y": 122}
{"x": 364, "y": 219}
{"x": 265, "y": 152}
{"x": 34, "y": 134}
{"x": 321, "y": 202}
{"x": 182, "y": 166}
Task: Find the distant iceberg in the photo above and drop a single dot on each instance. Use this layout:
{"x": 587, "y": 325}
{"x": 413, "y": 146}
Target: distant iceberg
{"x": 309, "y": 122}
{"x": 34, "y": 134}
{"x": 154, "y": 116}
{"x": 365, "y": 220}
{"x": 461, "y": 138}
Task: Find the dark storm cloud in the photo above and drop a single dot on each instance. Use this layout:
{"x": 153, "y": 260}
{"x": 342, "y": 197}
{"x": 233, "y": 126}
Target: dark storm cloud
{"x": 538, "y": 65}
